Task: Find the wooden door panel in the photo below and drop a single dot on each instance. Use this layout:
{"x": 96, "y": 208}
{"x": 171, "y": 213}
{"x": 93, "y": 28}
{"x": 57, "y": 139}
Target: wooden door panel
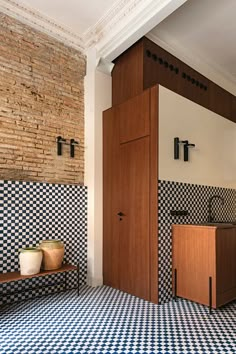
{"x": 134, "y": 226}
{"x": 110, "y": 199}
{"x": 129, "y": 64}
{"x": 134, "y": 117}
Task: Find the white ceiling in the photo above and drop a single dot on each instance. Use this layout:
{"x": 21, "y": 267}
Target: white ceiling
{"x": 77, "y": 15}
{"x": 204, "y": 32}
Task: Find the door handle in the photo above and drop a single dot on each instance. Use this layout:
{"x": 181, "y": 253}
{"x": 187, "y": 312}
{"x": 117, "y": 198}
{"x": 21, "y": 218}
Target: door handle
{"x": 120, "y": 213}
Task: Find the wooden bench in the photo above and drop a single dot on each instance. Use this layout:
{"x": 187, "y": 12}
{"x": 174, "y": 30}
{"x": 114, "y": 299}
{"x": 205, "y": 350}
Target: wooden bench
{"x": 16, "y": 276}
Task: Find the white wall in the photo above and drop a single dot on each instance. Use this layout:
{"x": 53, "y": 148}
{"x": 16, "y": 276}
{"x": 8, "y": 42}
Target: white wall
{"x": 213, "y": 161}
{"x": 97, "y": 99}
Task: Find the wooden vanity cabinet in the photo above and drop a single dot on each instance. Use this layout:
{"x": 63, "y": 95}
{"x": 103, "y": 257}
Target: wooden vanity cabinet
{"x": 201, "y": 252}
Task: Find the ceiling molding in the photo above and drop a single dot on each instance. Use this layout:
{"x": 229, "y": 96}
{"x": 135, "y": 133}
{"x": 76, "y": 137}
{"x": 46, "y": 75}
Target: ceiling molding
{"x": 42, "y": 23}
{"x": 112, "y": 17}
{"x": 210, "y": 71}
{"x": 127, "y": 21}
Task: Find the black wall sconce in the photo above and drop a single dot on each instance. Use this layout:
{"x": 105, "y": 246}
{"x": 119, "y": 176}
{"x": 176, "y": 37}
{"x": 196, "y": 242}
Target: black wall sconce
{"x": 61, "y": 141}
{"x": 73, "y": 143}
{"x": 177, "y": 142}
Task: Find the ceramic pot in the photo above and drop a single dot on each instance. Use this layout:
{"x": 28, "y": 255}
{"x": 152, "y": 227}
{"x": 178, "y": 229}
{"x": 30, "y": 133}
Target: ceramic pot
{"x": 30, "y": 260}
{"x": 53, "y": 253}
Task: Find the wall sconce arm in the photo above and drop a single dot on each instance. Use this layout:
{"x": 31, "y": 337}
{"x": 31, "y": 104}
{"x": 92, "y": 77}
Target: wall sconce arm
{"x": 60, "y": 141}
{"x": 73, "y": 143}
{"x": 186, "y": 147}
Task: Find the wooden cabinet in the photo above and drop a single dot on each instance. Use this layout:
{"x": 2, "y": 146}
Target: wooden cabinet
{"x": 146, "y": 64}
{"x": 200, "y": 253}
{"x": 130, "y": 195}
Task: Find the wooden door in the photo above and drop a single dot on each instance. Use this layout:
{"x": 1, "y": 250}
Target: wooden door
{"x": 134, "y": 225}
{"x": 130, "y": 188}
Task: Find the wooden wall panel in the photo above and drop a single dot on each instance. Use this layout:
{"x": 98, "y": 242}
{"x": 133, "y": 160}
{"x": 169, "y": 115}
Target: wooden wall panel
{"x": 175, "y": 75}
{"x": 233, "y": 108}
{"x": 146, "y": 64}
{"x": 155, "y": 71}
{"x": 220, "y": 101}
{"x": 134, "y": 118}
{"x": 110, "y": 199}
{"x": 154, "y": 110}
{"x": 127, "y": 75}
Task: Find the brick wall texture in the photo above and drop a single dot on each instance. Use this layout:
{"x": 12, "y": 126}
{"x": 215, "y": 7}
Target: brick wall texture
{"x": 41, "y": 97}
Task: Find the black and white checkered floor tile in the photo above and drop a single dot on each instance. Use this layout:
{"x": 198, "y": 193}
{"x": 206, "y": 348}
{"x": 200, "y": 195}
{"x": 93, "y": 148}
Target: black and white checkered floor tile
{"x": 104, "y": 320}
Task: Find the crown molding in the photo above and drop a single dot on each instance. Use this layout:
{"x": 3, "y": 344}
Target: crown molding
{"x": 112, "y": 17}
{"x": 42, "y": 23}
{"x": 209, "y": 70}
{"x": 126, "y": 22}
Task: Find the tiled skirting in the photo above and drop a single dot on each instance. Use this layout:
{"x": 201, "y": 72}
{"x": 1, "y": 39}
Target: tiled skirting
{"x": 31, "y": 212}
{"x": 191, "y": 197}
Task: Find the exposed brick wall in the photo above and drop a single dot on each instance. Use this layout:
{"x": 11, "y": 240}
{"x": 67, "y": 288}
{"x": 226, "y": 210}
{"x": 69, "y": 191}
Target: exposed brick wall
{"x": 41, "y": 97}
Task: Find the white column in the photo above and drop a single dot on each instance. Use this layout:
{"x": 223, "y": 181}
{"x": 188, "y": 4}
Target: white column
{"x": 97, "y": 99}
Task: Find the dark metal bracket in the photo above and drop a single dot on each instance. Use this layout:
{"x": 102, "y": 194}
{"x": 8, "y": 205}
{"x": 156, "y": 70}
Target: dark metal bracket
{"x": 176, "y": 148}
{"x": 187, "y": 145}
{"x": 60, "y": 141}
{"x": 73, "y": 143}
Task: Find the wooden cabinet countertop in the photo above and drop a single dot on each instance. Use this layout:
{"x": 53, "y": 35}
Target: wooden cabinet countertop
{"x": 208, "y": 225}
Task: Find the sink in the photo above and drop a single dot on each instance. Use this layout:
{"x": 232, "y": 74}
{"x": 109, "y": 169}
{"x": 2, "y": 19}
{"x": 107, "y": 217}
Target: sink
{"x": 225, "y": 222}
{"x": 217, "y": 223}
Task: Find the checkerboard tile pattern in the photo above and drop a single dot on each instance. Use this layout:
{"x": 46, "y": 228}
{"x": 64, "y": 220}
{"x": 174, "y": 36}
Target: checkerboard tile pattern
{"x": 191, "y": 197}
{"x": 105, "y": 320}
{"x": 31, "y": 212}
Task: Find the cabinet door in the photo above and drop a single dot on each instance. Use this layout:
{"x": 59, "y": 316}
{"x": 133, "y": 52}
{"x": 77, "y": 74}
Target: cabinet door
{"x": 194, "y": 260}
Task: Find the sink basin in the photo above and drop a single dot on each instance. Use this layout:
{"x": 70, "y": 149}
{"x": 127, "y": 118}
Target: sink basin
{"x": 225, "y": 222}
{"x": 218, "y": 223}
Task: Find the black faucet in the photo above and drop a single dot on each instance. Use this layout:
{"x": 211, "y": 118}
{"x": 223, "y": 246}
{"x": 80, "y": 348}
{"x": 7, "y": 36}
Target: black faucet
{"x": 210, "y": 217}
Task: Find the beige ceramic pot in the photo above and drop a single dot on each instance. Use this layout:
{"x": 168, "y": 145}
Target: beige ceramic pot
{"x": 30, "y": 260}
{"x": 53, "y": 253}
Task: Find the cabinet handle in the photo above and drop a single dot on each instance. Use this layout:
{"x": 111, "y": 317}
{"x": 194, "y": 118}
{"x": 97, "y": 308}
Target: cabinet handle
{"x": 120, "y": 213}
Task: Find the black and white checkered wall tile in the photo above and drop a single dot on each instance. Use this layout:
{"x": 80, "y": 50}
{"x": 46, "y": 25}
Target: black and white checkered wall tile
{"x": 31, "y": 212}
{"x": 193, "y": 198}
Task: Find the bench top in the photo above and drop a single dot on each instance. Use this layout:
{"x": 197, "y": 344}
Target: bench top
{"x": 14, "y": 276}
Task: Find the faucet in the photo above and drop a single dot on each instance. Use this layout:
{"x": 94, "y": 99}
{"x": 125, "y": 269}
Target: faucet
{"x": 210, "y": 217}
